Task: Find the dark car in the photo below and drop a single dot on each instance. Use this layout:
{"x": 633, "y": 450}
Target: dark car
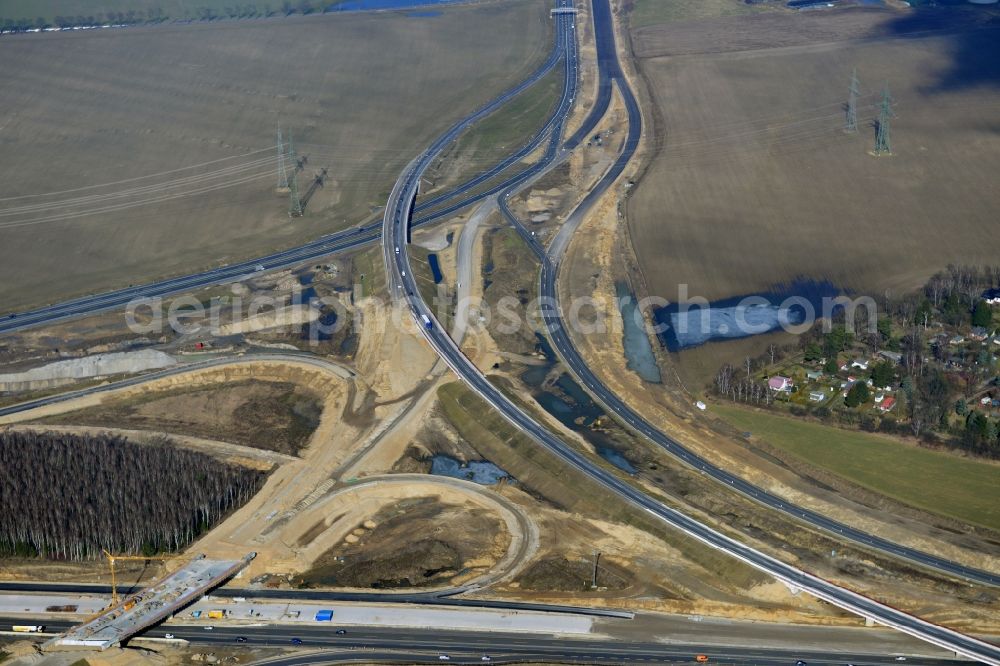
{"x": 296, "y": 641}
{"x": 241, "y": 639}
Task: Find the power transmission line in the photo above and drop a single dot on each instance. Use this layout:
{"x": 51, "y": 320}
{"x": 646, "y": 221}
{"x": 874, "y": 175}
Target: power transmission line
{"x": 852, "y": 102}
{"x": 883, "y": 141}
{"x": 294, "y": 202}
{"x": 282, "y": 172}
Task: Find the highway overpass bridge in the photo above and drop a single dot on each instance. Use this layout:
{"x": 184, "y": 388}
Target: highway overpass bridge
{"x": 143, "y": 609}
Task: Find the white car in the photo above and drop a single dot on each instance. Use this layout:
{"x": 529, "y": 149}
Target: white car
{"x": 444, "y": 657}
{"x": 258, "y": 268}
{"x": 485, "y": 657}
{"x": 209, "y": 628}
{"x": 168, "y": 635}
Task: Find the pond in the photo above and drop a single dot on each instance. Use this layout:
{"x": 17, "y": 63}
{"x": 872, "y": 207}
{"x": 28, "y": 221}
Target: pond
{"x": 638, "y": 350}
{"x": 432, "y": 260}
{"x": 690, "y": 325}
{"x": 308, "y": 296}
{"x": 482, "y": 472}
{"x": 572, "y": 406}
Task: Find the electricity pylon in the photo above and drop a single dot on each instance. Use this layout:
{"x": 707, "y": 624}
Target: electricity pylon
{"x": 291, "y": 181}
{"x": 294, "y": 203}
{"x": 883, "y": 142}
{"x": 852, "y": 103}
{"x": 282, "y": 171}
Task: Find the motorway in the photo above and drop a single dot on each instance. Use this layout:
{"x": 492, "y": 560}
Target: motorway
{"x": 609, "y": 74}
{"x": 396, "y": 224}
{"x": 403, "y": 288}
{"x": 435, "y": 598}
{"x": 413, "y": 645}
{"x": 564, "y": 347}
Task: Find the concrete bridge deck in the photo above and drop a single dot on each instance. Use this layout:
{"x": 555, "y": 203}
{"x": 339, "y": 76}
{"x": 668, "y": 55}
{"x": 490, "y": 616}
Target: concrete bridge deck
{"x": 159, "y": 601}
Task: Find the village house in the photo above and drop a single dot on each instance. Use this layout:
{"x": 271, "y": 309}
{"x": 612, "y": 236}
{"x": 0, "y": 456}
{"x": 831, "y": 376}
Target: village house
{"x": 895, "y": 357}
{"x": 780, "y": 384}
{"x": 978, "y": 334}
{"x": 887, "y": 404}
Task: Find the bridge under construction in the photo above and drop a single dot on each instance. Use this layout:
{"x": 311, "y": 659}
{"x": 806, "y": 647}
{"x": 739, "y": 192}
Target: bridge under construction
{"x": 157, "y": 602}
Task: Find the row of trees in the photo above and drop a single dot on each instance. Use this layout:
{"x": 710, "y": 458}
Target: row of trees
{"x": 158, "y": 15}
{"x": 67, "y": 497}
{"x": 130, "y": 17}
{"x": 739, "y": 387}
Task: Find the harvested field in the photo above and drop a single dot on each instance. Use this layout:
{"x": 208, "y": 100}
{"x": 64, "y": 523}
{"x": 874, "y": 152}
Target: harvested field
{"x": 278, "y": 416}
{"x": 652, "y": 12}
{"x": 755, "y": 183}
{"x": 151, "y": 151}
{"x": 718, "y": 31}
{"x": 417, "y": 542}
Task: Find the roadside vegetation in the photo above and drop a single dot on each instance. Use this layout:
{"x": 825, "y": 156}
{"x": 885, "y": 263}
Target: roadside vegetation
{"x": 492, "y": 139}
{"x": 68, "y": 497}
{"x": 544, "y": 476}
{"x": 935, "y": 481}
{"x": 510, "y": 277}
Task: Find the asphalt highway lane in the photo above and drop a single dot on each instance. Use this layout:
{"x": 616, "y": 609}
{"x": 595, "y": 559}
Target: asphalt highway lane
{"x": 416, "y": 644}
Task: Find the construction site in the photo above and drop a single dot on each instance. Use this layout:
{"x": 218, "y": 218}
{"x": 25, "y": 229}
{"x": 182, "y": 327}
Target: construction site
{"x": 291, "y": 464}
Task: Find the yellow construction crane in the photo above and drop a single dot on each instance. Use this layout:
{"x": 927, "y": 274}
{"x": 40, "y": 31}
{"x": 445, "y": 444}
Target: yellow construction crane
{"x": 132, "y": 558}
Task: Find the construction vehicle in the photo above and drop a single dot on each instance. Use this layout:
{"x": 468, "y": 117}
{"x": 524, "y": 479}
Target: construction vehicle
{"x": 113, "y": 559}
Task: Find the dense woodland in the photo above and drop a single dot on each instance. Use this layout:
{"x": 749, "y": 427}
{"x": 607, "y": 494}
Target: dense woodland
{"x": 67, "y": 497}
